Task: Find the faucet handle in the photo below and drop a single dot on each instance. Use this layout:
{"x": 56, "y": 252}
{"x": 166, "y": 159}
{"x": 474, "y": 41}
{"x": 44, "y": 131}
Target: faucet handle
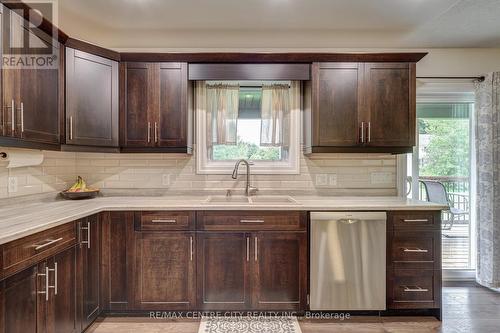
{"x": 252, "y": 190}
{"x": 229, "y": 193}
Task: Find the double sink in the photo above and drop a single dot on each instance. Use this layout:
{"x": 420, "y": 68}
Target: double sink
{"x": 251, "y": 200}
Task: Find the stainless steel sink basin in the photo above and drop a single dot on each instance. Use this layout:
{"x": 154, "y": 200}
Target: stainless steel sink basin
{"x": 229, "y": 200}
{"x": 273, "y": 200}
{"x": 255, "y": 200}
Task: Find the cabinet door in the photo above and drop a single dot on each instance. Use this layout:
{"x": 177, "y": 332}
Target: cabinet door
{"x": 18, "y": 302}
{"x": 117, "y": 258}
{"x": 171, "y": 124}
{"x": 390, "y": 104}
{"x": 39, "y": 105}
{"x": 91, "y": 99}
{"x": 223, "y": 271}
{"x": 61, "y": 309}
{"x": 164, "y": 271}
{"x": 280, "y": 279}
{"x": 336, "y": 100}
{"x": 139, "y": 106}
{"x": 31, "y": 94}
{"x": 89, "y": 269}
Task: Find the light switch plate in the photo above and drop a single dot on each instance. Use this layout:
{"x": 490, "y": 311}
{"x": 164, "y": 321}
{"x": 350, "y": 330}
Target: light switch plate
{"x": 381, "y": 178}
{"x": 12, "y": 184}
{"x": 332, "y": 179}
{"x": 321, "y": 179}
{"x": 165, "y": 180}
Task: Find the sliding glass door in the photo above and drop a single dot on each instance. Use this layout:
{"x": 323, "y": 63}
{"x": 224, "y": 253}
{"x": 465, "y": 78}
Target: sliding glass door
{"x": 441, "y": 164}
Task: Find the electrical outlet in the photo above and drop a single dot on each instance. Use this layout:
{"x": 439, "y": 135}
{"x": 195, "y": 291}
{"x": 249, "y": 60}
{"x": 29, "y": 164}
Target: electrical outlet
{"x": 165, "y": 180}
{"x": 332, "y": 179}
{"x": 321, "y": 179}
{"x": 381, "y": 177}
{"x": 12, "y": 184}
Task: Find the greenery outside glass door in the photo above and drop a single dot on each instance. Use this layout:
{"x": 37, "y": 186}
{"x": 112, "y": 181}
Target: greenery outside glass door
{"x": 444, "y": 155}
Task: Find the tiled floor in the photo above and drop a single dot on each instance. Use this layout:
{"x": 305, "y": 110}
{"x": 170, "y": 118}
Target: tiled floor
{"x": 467, "y": 308}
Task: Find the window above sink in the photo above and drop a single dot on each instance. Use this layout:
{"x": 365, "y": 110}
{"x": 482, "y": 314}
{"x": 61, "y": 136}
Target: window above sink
{"x": 254, "y": 120}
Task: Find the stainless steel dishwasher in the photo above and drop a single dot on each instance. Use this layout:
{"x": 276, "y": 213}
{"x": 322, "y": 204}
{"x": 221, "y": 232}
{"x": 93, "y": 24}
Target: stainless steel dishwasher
{"x": 348, "y": 261}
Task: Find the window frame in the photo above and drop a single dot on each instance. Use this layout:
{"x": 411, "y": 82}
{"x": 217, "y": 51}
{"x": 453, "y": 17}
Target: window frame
{"x": 206, "y": 166}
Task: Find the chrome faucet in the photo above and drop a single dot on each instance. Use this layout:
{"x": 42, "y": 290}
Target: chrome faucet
{"x": 249, "y": 190}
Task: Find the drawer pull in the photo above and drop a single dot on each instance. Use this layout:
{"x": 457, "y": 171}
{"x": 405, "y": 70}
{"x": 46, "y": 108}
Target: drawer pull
{"x": 252, "y": 221}
{"x": 41, "y": 246}
{"x": 164, "y": 221}
{"x": 415, "y": 289}
{"x": 417, "y": 250}
{"x": 415, "y": 220}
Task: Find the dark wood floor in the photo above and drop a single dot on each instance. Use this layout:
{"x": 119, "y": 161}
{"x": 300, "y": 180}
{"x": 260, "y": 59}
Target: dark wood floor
{"x": 467, "y": 308}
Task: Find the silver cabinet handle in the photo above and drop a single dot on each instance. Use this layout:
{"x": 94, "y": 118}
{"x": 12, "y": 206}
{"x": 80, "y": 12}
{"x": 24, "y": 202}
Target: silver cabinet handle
{"x": 362, "y": 132}
{"x": 55, "y": 278}
{"x": 41, "y": 246}
{"x": 252, "y": 221}
{"x": 13, "y": 112}
{"x": 22, "y": 117}
{"x": 164, "y": 221}
{"x": 369, "y": 130}
{"x": 88, "y": 235}
{"x": 417, "y": 250}
{"x": 46, "y": 291}
{"x": 248, "y": 249}
{"x": 415, "y": 220}
{"x": 191, "y": 247}
{"x": 415, "y": 289}
{"x": 71, "y": 127}
{"x": 156, "y": 132}
{"x": 149, "y": 132}
{"x": 256, "y": 249}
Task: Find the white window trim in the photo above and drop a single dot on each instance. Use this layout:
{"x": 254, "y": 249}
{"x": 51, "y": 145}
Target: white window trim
{"x": 205, "y": 166}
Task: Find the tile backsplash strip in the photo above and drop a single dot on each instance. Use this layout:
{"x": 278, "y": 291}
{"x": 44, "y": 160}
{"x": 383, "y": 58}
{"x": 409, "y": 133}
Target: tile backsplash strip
{"x": 56, "y": 172}
{"x": 333, "y": 174}
{"x": 329, "y": 174}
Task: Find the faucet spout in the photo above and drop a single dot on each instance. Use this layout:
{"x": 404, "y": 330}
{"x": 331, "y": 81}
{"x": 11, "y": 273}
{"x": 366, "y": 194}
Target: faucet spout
{"x": 248, "y": 189}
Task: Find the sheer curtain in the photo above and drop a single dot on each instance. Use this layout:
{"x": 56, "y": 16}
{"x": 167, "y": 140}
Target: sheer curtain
{"x": 488, "y": 180}
{"x": 277, "y": 104}
{"x": 220, "y": 101}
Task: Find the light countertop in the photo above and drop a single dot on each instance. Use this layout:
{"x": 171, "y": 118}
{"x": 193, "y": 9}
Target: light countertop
{"x": 24, "y": 219}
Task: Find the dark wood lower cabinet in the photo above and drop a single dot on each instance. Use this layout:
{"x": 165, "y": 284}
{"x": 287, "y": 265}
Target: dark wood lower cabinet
{"x": 89, "y": 267}
{"x": 280, "y": 275}
{"x": 18, "y": 302}
{"x": 165, "y": 271}
{"x": 61, "y": 307}
{"x": 224, "y": 271}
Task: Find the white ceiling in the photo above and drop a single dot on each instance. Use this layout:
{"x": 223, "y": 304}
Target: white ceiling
{"x": 283, "y": 23}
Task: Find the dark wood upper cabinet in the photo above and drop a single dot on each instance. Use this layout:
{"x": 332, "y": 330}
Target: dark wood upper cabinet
{"x": 280, "y": 278}
{"x": 337, "y": 102}
{"x": 390, "y": 104}
{"x": 88, "y": 276}
{"x": 165, "y": 271}
{"x": 91, "y": 100}
{"x": 224, "y": 271}
{"x": 31, "y": 100}
{"x": 155, "y": 105}
{"x": 362, "y": 107}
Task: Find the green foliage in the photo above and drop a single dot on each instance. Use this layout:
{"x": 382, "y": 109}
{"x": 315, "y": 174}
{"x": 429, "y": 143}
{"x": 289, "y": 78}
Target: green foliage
{"x": 246, "y": 150}
{"x": 447, "y": 153}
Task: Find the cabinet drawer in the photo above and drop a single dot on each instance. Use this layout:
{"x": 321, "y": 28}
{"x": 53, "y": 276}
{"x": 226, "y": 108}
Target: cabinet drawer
{"x": 415, "y": 289}
{"x": 164, "y": 220}
{"x": 416, "y": 250}
{"x": 258, "y": 220}
{"x": 416, "y": 219}
{"x": 29, "y": 250}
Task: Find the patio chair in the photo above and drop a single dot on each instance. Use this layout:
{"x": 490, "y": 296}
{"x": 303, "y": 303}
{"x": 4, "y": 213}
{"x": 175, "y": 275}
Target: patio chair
{"x": 436, "y": 192}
